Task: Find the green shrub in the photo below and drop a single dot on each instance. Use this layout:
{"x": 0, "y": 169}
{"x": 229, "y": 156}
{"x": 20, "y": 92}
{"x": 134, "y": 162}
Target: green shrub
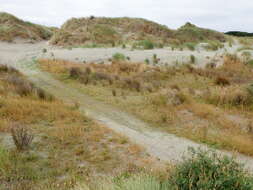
{"x": 119, "y": 57}
{"x": 246, "y": 56}
{"x": 190, "y": 46}
{"x": 250, "y": 62}
{"x": 155, "y": 59}
{"x": 214, "y": 45}
{"x": 44, "y": 50}
{"x": 145, "y": 44}
{"x": 193, "y": 59}
{"x": 207, "y": 170}
{"x": 147, "y": 61}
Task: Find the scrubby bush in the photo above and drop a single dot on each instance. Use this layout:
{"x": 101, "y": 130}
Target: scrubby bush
{"x": 119, "y": 57}
{"x": 44, "y": 50}
{"x": 147, "y": 61}
{"x": 206, "y": 170}
{"x": 22, "y": 87}
{"x": 222, "y": 81}
{"x": 190, "y": 46}
{"x": 21, "y": 136}
{"x": 246, "y": 55}
{"x": 75, "y": 72}
{"x": 250, "y": 62}
{"x": 214, "y": 45}
{"x": 193, "y": 59}
{"x": 231, "y": 95}
{"x": 7, "y": 69}
{"x": 145, "y": 44}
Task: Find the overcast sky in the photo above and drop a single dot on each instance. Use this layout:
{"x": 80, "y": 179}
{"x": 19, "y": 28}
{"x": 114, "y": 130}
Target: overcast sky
{"x": 222, "y": 15}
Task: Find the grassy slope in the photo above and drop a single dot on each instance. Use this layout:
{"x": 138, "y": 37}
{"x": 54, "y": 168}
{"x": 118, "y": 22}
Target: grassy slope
{"x": 68, "y": 147}
{"x": 114, "y": 31}
{"x": 206, "y": 105}
{"x": 11, "y": 27}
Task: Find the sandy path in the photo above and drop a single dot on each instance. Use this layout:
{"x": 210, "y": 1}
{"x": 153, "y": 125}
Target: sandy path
{"x": 164, "y": 146}
{"x": 166, "y": 55}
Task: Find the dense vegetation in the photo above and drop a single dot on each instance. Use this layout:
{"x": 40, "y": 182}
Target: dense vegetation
{"x": 239, "y": 34}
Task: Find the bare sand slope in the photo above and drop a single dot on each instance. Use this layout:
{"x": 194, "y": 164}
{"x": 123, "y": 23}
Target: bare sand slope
{"x": 164, "y": 146}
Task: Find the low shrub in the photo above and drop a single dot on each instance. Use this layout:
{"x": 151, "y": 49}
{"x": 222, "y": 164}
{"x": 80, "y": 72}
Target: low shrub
{"x": 145, "y": 44}
{"x": 75, "y": 72}
{"x": 250, "y": 62}
{"x": 208, "y": 170}
{"x": 222, "y": 81}
{"x": 232, "y": 95}
{"x": 190, "y": 46}
{"x": 193, "y": 59}
{"x": 8, "y": 69}
{"x": 119, "y": 57}
{"x": 21, "y": 136}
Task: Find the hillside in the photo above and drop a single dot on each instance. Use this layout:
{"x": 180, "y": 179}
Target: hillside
{"x": 115, "y": 31}
{"x": 12, "y": 27}
{"x": 192, "y": 33}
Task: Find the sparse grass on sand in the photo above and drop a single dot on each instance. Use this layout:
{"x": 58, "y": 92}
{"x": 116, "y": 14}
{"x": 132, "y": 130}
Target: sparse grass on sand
{"x": 67, "y": 147}
{"x": 210, "y": 105}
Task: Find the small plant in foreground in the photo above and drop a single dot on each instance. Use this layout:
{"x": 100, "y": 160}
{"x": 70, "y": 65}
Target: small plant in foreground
{"x": 146, "y": 44}
{"x": 250, "y": 62}
{"x": 147, "y": 61}
{"x": 21, "y": 136}
{"x": 222, "y": 81}
{"x": 155, "y": 59}
{"x": 44, "y": 50}
{"x": 114, "y": 93}
{"x": 193, "y": 59}
{"x": 208, "y": 170}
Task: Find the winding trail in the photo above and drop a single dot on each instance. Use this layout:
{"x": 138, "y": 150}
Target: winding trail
{"x": 166, "y": 147}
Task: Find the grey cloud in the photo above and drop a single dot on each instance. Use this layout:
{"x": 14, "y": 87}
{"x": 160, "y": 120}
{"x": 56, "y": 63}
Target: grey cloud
{"x": 221, "y": 15}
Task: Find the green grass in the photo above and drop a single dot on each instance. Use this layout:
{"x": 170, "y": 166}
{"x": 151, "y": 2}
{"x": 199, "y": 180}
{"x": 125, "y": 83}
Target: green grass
{"x": 250, "y": 62}
{"x": 119, "y": 57}
{"x": 207, "y": 170}
{"x": 245, "y": 48}
{"x": 203, "y": 170}
{"x": 145, "y": 44}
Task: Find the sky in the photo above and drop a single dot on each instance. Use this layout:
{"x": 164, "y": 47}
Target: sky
{"x": 221, "y": 15}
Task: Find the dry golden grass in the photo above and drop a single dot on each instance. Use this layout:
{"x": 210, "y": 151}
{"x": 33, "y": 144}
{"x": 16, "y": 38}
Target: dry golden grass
{"x": 187, "y": 101}
{"x": 67, "y": 145}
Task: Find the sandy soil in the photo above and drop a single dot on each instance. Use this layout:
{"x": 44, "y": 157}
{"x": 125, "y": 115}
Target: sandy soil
{"x": 166, "y": 55}
{"x": 164, "y": 146}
